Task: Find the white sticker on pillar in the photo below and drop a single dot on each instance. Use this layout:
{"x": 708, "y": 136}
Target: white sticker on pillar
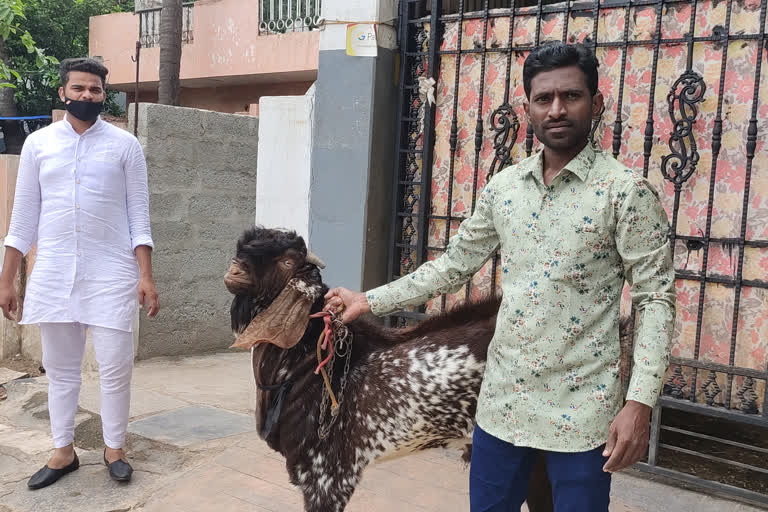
{"x": 361, "y": 40}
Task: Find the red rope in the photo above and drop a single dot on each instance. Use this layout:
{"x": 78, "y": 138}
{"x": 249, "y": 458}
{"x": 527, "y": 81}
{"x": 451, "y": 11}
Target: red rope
{"x": 323, "y": 341}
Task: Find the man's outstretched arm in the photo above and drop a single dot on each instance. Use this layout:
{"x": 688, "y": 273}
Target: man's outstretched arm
{"x": 467, "y": 251}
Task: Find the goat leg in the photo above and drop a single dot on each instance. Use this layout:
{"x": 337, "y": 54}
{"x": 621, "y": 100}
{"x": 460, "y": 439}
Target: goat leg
{"x": 326, "y": 487}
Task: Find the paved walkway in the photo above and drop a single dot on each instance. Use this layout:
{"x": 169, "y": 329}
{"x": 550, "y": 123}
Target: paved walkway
{"x": 193, "y": 447}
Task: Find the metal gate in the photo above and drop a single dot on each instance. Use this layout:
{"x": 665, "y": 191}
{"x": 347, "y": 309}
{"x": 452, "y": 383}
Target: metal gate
{"x": 687, "y": 105}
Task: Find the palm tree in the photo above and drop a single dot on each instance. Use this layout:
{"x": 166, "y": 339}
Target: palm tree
{"x": 170, "y": 51}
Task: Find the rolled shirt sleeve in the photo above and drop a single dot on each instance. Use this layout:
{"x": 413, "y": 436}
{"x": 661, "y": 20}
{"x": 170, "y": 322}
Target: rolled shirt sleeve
{"x": 25, "y": 216}
{"x": 137, "y": 197}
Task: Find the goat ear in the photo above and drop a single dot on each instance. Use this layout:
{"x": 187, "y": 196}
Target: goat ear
{"x": 283, "y": 323}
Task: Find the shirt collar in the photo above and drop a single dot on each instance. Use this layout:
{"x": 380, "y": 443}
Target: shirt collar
{"x": 92, "y": 129}
{"x": 580, "y": 165}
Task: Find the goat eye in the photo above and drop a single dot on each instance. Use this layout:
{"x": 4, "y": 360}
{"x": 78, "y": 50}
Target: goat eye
{"x": 289, "y": 263}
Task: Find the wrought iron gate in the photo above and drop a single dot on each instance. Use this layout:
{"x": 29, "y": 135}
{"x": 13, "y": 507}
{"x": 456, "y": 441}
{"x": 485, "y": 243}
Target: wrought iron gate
{"x": 686, "y": 103}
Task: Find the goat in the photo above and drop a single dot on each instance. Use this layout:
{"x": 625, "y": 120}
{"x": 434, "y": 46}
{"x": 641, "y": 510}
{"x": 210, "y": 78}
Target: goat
{"x": 400, "y": 390}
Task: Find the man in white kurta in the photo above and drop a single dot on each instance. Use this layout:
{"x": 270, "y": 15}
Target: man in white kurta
{"x": 82, "y": 197}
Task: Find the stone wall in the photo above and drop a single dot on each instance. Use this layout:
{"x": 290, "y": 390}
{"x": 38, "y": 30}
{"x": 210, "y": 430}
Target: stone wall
{"x": 202, "y": 180}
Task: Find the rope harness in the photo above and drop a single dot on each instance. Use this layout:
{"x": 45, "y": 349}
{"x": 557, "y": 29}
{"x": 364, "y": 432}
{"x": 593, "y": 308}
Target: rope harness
{"x": 336, "y": 341}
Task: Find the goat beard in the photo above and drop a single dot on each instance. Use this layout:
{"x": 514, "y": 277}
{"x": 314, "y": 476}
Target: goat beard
{"x": 282, "y": 324}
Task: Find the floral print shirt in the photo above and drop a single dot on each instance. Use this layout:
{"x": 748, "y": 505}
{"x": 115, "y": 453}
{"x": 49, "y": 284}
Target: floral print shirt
{"x": 552, "y": 378}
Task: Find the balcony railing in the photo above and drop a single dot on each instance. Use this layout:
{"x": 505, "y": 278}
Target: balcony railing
{"x": 281, "y": 16}
{"x": 149, "y": 25}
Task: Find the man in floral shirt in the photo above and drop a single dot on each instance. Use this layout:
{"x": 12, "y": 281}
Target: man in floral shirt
{"x": 573, "y": 224}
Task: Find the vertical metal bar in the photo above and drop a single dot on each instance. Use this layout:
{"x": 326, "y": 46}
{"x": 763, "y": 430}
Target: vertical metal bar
{"x": 653, "y": 445}
{"x": 147, "y": 29}
{"x": 510, "y": 42}
{"x": 479, "y": 123}
{"x": 505, "y": 104}
{"x": 481, "y": 96}
{"x": 394, "y": 226}
{"x": 618, "y": 125}
{"x": 648, "y": 144}
{"x": 156, "y": 26}
{"x": 751, "y": 147}
{"x": 765, "y": 396}
{"x": 428, "y": 144}
{"x": 272, "y": 10}
{"x": 684, "y": 165}
{"x": 595, "y": 25}
{"x": 537, "y": 39}
{"x": 716, "y": 145}
{"x": 691, "y": 34}
{"x": 566, "y": 20}
{"x": 454, "y": 134}
{"x": 136, "y": 91}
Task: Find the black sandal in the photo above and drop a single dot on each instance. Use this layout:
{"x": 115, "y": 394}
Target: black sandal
{"x": 119, "y": 470}
{"x": 46, "y": 476}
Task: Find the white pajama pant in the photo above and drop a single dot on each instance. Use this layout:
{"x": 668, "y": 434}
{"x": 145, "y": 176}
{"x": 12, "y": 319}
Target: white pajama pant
{"x": 63, "y": 348}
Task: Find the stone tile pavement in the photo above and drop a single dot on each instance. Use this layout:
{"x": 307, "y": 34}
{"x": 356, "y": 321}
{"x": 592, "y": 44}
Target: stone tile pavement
{"x": 194, "y": 449}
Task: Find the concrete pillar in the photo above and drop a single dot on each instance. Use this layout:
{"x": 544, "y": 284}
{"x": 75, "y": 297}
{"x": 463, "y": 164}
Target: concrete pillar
{"x": 283, "y": 168}
{"x": 353, "y": 144}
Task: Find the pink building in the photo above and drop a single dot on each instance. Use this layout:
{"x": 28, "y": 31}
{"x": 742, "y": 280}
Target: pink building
{"x": 233, "y": 52}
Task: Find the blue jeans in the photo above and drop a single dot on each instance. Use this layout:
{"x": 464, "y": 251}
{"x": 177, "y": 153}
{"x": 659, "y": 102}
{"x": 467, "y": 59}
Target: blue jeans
{"x": 500, "y": 472}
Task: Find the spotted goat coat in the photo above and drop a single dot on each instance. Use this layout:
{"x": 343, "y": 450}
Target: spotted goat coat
{"x": 407, "y": 390}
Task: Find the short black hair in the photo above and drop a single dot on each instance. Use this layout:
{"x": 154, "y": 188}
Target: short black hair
{"x": 84, "y": 64}
{"x": 560, "y": 55}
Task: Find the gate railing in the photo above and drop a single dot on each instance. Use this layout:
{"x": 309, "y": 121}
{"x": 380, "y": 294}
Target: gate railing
{"x": 685, "y": 105}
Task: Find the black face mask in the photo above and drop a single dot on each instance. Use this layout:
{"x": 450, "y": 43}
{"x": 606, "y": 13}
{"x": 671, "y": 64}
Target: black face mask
{"x": 83, "y": 110}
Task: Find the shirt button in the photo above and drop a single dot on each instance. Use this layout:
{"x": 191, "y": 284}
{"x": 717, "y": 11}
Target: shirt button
{"x": 77, "y": 181}
{"x": 77, "y": 229}
{"x": 77, "y": 206}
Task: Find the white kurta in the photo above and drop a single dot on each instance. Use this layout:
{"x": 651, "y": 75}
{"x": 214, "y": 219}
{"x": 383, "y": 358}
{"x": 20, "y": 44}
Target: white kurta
{"x": 86, "y": 200}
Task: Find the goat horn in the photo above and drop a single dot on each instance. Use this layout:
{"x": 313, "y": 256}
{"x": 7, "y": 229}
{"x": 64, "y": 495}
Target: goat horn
{"x": 313, "y": 259}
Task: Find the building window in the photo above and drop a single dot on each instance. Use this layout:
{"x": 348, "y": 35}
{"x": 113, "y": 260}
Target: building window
{"x": 149, "y": 25}
{"x": 281, "y": 16}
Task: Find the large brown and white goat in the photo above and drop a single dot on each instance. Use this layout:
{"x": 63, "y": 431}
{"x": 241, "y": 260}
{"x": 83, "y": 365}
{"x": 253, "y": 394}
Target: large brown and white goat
{"x": 399, "y": 390}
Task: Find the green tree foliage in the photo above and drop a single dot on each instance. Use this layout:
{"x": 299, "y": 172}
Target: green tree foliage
{"x": 16, "y": 38}
{"x": 60, "y": 29}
